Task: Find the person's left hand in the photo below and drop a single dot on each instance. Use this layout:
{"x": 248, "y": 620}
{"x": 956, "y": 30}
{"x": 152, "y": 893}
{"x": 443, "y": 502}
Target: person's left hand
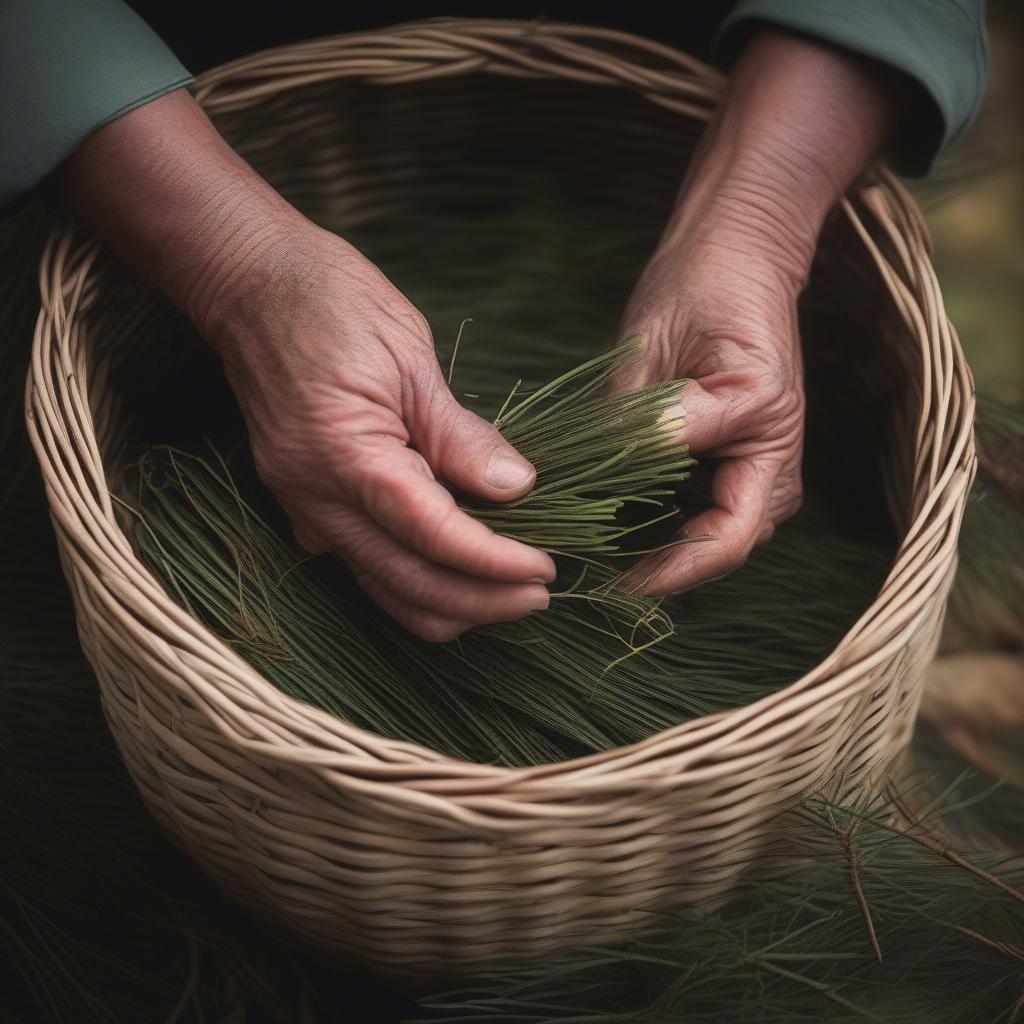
{"x": 726, "y": 322}
{"x": 717, "y": 301}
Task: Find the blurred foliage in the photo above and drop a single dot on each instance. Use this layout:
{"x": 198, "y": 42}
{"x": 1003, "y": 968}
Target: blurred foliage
{"x": 974, "y": 202}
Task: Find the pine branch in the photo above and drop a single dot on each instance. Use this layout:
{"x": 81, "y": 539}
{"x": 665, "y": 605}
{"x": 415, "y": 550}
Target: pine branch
{"x": 1006, "y": 948}
{"x": 826, "y": 990}
{"x": 845, "y": 836}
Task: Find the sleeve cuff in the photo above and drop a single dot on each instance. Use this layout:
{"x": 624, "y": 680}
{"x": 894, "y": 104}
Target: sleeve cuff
{"x": 941, "y": 45}
{"x": 68, "y": 67}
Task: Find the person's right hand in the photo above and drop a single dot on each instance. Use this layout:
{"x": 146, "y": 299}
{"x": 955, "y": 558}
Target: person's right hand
{"x": 352, "y": 425}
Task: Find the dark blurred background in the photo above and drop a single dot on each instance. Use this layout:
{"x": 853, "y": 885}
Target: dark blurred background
{"x": 975, "y": 207}
{"x": 202, "y": 37}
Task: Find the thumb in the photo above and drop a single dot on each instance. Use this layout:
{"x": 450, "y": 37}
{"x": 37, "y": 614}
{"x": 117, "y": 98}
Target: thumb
{"x": 709, "y": 416}
{"x": 470, "y": 454}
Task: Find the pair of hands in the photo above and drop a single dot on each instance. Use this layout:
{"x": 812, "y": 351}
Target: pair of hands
{"x": 352, "y": 426}
{"x": 351, "y": 422}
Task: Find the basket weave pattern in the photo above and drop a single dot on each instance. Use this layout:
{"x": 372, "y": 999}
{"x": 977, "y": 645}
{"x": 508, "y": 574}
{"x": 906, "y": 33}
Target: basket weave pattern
{"x": 385, "y": 851}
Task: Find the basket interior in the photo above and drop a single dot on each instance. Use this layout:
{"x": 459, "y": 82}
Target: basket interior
{"x": 352, "y": 156}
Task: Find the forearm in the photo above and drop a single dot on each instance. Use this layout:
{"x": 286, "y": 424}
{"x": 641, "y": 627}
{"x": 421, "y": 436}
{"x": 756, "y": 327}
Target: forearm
{"x": 171, "y": 198}
{"x": 798, "y": 121}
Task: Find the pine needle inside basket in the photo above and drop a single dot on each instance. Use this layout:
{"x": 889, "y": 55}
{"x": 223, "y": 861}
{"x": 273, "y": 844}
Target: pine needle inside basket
{"x": 596, "y": 456}
{"x": 600, "y": 668}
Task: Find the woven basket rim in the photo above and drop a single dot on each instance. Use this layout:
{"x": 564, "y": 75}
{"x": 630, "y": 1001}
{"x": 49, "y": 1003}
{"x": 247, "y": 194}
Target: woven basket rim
{"x": 944, "y": 460}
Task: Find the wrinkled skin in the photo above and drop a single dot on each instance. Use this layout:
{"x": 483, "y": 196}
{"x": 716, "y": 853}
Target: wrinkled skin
{"x": 351, "y": 422}
{"x": 717, "y": 301}
{"x": 736, "y": 343}
{"x": 352, "y": 425}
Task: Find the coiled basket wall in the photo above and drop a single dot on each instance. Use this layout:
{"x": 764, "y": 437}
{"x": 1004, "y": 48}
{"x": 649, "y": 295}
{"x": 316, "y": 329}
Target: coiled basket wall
{"x": 385, "y": 851}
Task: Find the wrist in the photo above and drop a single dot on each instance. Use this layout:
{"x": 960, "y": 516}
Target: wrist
{"x": 174, "y": 202}
{"x": 798, "y": 121}
{"x": 231, "y": 280}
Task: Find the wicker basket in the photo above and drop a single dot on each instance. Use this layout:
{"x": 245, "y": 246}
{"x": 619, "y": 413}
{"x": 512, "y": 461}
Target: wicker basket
{"x": 385, "y": 851}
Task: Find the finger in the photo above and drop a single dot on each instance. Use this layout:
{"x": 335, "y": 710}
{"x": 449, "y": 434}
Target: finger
{"x": 706, "y": 414}
{"x": 420, "y": 622}
{"x": 742, "y": 491}
{"x": 372, "y": 552}
{"x": 400, "y": 494}
{"x": 725, "y": 414}
{"x": 709, "y": 417}
{"x": 466, "y": 451}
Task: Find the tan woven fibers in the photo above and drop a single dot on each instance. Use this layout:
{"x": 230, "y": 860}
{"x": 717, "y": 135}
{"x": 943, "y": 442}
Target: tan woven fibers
{"x": 384, "y": 851}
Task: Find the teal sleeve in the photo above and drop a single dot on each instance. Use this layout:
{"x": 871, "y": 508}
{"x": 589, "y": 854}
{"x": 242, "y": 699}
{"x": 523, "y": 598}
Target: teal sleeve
{"x": 67, "y": 67}
{"x": 941, "y": 45}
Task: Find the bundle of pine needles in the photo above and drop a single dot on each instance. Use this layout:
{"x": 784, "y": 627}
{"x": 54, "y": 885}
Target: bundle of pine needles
{"x": 596, "y": 456}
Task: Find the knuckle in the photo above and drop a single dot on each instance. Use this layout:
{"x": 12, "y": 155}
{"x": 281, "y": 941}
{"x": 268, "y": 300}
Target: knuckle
{"x": 420, "y": 326}
{"x": 451, "y": 433}
{"x": 776, "y": 391}
{"x": 310, "y": 541}
{"x": 437, "y": 631}
{"x": 413, "y": 586}
{"x": 433, "y": 533}
{"x": 369, "y": 553}
{"x": 782, "y": 395}
{"x": 380, "y": 486}
{"x": 735, "y": 561}
{"x": 271, "y": 470}
{"x": 790, "y": 508}
{"x": 735, "y": 556}
{"x": 444, "y": 435}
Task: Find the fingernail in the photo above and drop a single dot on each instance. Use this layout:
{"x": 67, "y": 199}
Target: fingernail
{"x": 542, "y": 580}
{"x": 541, "y": 603}
{"x": 507, "y": 472}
